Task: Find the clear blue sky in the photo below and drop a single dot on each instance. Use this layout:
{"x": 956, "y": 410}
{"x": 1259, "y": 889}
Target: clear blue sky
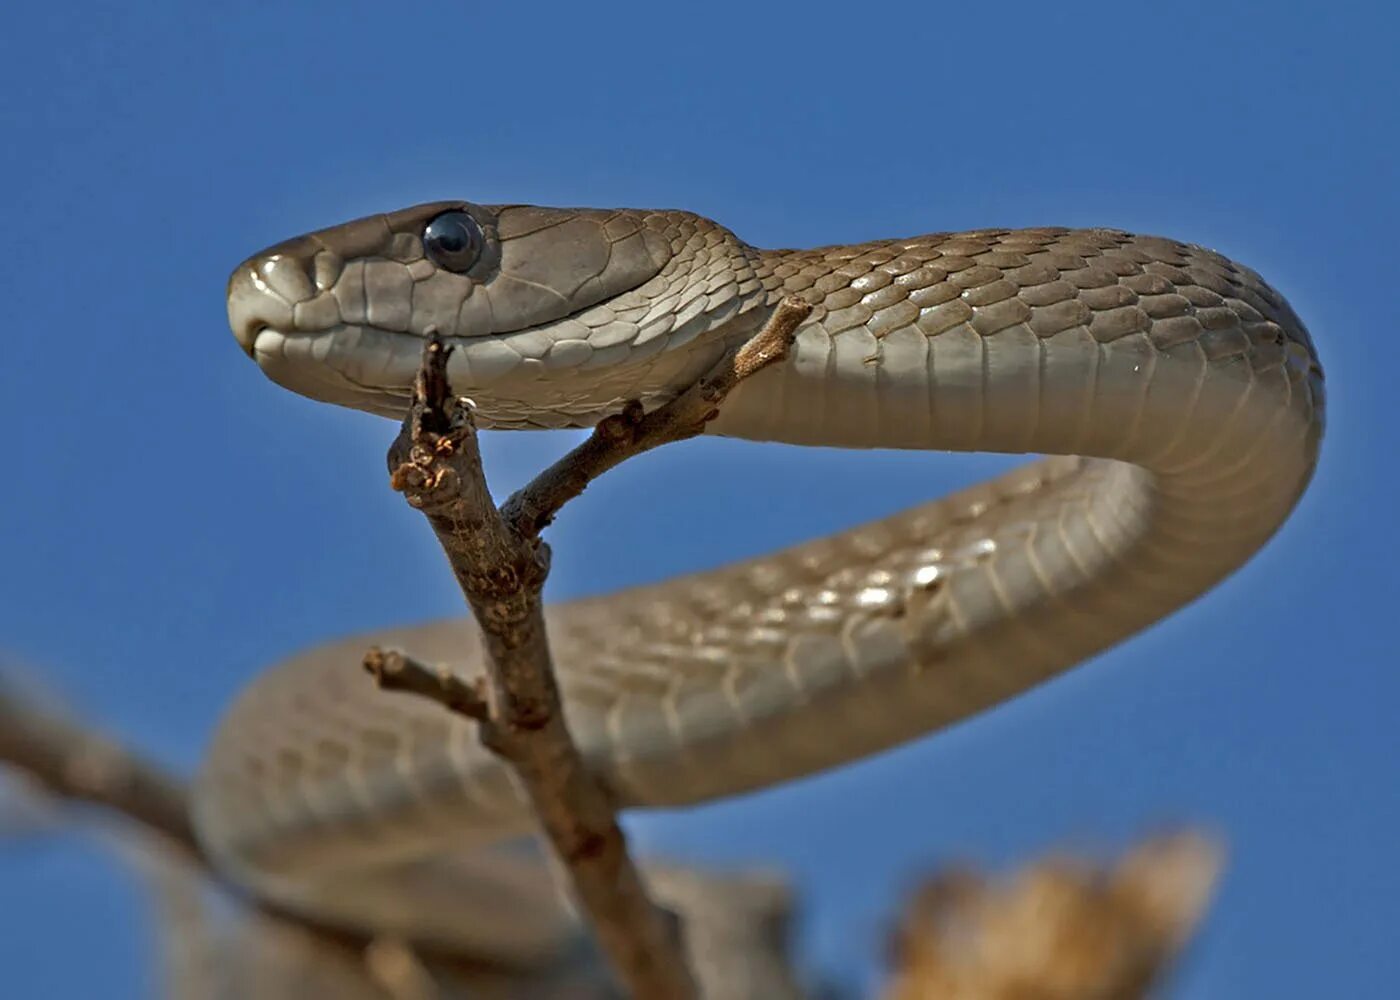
{"x": 172, "y": 520}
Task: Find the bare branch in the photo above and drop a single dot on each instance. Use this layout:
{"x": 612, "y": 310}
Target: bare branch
{"x": 501, "y": 564}
{"x": 73, "y": 762}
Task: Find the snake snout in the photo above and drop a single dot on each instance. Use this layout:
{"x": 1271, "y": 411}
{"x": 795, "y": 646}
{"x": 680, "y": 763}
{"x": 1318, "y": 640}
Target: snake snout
{"x": 263, "y": 293}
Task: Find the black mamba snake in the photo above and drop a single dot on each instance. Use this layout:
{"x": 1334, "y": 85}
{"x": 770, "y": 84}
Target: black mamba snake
{"x": 1178, "y": 395}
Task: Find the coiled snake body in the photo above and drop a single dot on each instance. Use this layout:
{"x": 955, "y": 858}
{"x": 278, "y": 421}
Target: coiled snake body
{"x": 1178, "y": 395}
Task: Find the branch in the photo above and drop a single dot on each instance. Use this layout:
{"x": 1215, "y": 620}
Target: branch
{"x": 501, "y": 565}
{"x": 393, "y": 670}
{"x": 72, "y": 762}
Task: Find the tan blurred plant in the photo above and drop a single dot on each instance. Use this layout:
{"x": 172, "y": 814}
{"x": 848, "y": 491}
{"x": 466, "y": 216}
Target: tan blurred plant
{"x": 1061, "y": 929}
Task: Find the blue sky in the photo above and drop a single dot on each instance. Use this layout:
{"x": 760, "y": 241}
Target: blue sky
{"x": 172, "y": 520}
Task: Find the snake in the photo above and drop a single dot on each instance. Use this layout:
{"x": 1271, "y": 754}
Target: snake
{"x": 1173, "y": 400}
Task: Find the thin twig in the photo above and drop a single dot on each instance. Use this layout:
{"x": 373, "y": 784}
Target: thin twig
{"x": 394, "y": 670}
{"x": 501, "y": 564}
{"x": 627, "y": 434}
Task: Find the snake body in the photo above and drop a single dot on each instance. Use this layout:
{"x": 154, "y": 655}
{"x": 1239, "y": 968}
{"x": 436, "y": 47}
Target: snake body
{"x": 1178, "y": 397}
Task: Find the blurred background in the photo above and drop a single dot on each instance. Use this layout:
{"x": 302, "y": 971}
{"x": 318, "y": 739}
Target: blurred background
{"x": 172, "y": 521}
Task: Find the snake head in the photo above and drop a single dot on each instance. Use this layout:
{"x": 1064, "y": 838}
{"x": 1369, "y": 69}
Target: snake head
{"x": 543, "y": 305}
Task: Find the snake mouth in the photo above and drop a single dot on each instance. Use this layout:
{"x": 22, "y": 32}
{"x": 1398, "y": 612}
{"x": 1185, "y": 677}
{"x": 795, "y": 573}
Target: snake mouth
{"x": 247, "y": 337}
{"x": 373, "y": 370}
{"x": 355, "y": 366}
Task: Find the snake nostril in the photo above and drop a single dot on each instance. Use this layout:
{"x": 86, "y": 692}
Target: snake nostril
{"x": 288, "y": 276}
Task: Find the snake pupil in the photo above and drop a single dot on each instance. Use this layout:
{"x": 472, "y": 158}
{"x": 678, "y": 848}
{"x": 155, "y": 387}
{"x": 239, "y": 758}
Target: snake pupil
{"x": 453, "y": 240}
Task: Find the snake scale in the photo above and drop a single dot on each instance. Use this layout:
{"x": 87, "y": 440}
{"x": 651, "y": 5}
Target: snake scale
{"x": 1177, "y": 397}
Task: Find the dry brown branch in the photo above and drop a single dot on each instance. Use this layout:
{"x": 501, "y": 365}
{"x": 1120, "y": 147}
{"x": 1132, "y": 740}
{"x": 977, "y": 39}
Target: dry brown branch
{"x": 501, "y": 564}
{"x": 72, "y": 762}
{"x": 395, "y": 670}
{"x": 1060, "y": 930}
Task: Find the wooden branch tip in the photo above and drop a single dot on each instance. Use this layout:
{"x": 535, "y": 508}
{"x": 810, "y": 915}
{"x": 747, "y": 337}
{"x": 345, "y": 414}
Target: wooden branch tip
{"x": 772, "y": 342}
{"x": 393, "y": 670}
{"x": 432, "y": 392}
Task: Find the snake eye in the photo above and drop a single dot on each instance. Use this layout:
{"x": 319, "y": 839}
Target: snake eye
{"x": 453, "y": 240}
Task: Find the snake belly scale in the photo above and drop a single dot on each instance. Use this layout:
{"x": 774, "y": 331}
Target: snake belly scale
{"x": 1177, "y": 396}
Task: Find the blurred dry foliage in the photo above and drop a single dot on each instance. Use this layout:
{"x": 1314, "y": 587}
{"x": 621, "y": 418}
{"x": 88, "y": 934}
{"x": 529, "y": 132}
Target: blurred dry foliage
{"x": 1061, "y": 929}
